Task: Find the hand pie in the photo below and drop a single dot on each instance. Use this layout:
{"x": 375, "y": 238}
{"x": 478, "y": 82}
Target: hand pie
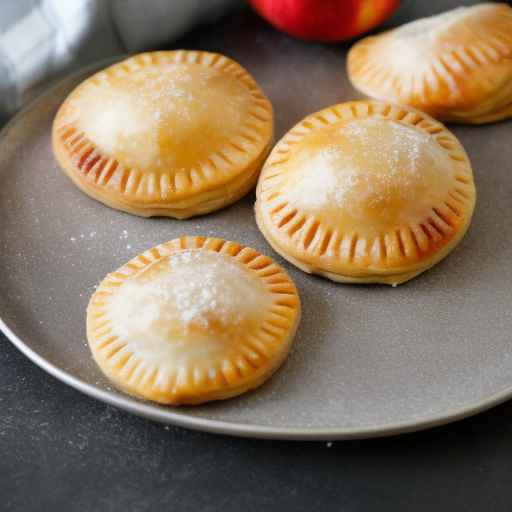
{"x": 193, "y": 320}
{"x": 366, "y": 192}
{"x": 456, "y": 66}
{"x": 176, "y": 133}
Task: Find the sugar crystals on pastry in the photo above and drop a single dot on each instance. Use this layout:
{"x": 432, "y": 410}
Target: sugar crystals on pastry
{"x": 366, "y": 192}
{"x": 456, "y": 66}
{"x": 176, "y": 133}
{"x": 193, "y": 320}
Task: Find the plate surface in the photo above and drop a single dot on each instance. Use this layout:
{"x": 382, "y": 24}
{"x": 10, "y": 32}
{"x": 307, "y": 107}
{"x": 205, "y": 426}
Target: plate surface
{"x": 367, "y": 361}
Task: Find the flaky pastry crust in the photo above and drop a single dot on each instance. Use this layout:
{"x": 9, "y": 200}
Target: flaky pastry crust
{"x": 177, "y": 133}
{"x": 193, "y": 320}
{"x": 366, "y": 192}
{"x": 456, "y": 66}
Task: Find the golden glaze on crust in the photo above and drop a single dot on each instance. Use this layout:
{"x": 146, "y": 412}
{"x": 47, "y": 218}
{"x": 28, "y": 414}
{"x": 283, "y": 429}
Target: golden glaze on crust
{"x": 193, "y": 320}
{"x": 366, "y": 192}
{"x": 456, "y": 66}
{"x": 176, "y": 133}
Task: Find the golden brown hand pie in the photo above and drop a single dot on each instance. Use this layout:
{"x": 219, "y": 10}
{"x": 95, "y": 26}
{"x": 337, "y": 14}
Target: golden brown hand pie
{"x": 176, "y": 133}
{"x": 193, "y": 320}
{"x": 366, "y": 192}
{"x": 455, "y": 66}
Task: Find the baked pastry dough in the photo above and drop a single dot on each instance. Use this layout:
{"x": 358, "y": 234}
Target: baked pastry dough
{"x": 176, "y": 133}
{"x": 366, "y": 192}
{"x": 455, "y": 66}
{"x": 193, "y": 320}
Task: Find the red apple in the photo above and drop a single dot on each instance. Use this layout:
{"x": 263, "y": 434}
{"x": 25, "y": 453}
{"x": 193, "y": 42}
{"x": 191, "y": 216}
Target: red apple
{"x": 325, "y": 20}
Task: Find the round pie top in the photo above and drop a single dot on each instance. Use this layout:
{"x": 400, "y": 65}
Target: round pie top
{"x": 456, "y": 65}
{"x": 192, "y": 320}
{"x": 190, "y": 298}
{"x": 365, "y": 185}
{"x": 163, "y": 125}
{"x": 371, "y": 173}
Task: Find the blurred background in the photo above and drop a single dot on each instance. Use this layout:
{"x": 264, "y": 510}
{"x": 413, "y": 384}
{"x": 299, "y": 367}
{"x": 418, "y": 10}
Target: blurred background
{"x": 44, "y": 39}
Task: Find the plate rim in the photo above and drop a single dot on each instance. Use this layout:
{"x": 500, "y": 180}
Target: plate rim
{"x": 248, "y": 430}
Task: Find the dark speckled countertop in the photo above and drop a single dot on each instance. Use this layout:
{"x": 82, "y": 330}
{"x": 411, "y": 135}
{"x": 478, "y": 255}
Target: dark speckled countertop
{"x": 61, "y": 450}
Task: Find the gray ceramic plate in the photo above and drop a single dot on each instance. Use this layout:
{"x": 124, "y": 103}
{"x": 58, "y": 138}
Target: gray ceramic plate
{"x": 368, "y": 360}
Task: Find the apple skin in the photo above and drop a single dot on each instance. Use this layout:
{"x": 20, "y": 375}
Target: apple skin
{"x": 325, "y": 20}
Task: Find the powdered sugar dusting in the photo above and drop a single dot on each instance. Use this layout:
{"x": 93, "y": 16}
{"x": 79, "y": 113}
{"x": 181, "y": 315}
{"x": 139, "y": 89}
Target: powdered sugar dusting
{"x": 414, "y": 49}
{"x": 192, "y": 290}
{"x": 146, "y": 117}
{"x": 403, "y": 150}
{"x": 367, "y": 163}
{"x": 320, "y": 186}
{"x": 430, "y": 26}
